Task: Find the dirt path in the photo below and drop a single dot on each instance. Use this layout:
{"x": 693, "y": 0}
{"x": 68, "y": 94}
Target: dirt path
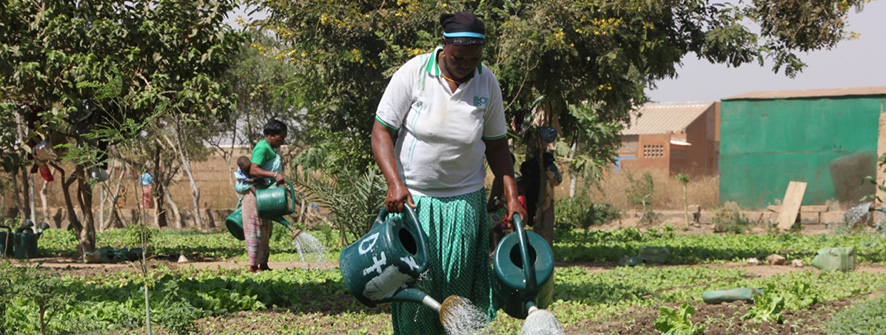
{"x": 69, "y": 266}
{"x": 62, "y": 265}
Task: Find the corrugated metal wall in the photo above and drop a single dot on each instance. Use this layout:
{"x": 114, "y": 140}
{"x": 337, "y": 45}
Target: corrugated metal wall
{"x": 828, "y": 142}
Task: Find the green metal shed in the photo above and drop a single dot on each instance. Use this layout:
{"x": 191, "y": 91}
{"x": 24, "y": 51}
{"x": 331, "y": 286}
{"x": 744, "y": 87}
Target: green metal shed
{"x": 826, "y": 138}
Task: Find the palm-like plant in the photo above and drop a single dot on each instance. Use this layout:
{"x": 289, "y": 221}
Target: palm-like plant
{"x": 353, "y": 200}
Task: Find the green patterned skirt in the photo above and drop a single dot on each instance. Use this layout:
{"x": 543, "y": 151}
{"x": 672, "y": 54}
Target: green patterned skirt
{"x": 458, "y": 244}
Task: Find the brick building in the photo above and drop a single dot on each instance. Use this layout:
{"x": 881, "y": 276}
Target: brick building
{"x": 673, "y": 137}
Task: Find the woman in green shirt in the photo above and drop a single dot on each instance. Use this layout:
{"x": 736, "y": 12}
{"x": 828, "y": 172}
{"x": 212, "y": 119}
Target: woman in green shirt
{"x": 266, "y": 164}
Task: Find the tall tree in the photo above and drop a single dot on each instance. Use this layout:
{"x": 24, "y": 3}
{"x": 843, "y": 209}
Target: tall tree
{"x": 600, "y": 52}
{"x": 96, "y": 72}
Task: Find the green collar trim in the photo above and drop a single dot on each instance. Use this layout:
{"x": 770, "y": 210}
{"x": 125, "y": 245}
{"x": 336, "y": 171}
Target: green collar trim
{"x": 434, "y": 69}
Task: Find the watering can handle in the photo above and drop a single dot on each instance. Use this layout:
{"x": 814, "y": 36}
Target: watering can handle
{"x": 292, "y": 198}
{"x": 523, "y": 240}
{"x": 423, "y": 245}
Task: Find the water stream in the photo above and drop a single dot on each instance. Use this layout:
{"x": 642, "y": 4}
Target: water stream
{"x": 309, "y": 249}
{"x": 542, "y": 322}
{"x": 463, "y": 318}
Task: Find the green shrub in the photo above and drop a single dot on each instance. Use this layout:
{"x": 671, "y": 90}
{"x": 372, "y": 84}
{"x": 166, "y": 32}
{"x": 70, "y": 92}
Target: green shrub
{"x": 579, "y": 212}
{"x": 569, "y": 211}
{"x": 728, "y": 219}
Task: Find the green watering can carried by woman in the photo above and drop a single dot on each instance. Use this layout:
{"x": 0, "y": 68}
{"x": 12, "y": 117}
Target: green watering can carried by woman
{"x": 382, "y": 265}
{"x": 273, "y": 203}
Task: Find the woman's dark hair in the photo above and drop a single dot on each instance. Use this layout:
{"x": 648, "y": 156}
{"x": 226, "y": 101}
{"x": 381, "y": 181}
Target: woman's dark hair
{"x": 274, "y": 127}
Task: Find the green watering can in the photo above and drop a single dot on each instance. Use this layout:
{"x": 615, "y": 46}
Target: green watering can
{"x": 271, "y": 203}
{"x": 274, "y": 202}
{"x": 379, "y": 267}
{"x": 393, "y": 253}
{"x": 234, "y": 223}
{"x": 524, "y": 272}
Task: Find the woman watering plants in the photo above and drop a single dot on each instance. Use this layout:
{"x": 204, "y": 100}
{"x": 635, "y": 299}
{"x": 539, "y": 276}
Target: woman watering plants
{"x": 445, "y": 111}
{"x": 266, "y": 164}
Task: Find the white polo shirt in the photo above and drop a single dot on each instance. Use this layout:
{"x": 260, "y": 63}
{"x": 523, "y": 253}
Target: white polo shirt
{"x": 440, "y": 146}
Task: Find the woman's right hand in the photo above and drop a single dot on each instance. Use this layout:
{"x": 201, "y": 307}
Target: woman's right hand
{"x": 278, "y": 177}
{"x": 397, "y": 195}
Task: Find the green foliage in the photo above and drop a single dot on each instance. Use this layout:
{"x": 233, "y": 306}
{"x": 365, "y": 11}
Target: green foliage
{"x": 728, "y": 219}
{"x": 140, "y": 234}
{"x": 799, "y": 296}
{"x": 640, "y": 191}
{"x": 354, "y": 200}
{"x": 609, "y": 246}
{"x": 598, "y": 138}
{"x": 259, "y": 80}
{"x": 580, "y": 213}
{"x": 569, "y": 211}
{"x": 112, "y": 302}
{"x": 673, "y": 321}
{"x": 97, "y": 72}
{"x": 864, "y": 318}
{"x": 767, "y": 306}
{"x": 35, "y": 295}
{"x": 347, "y": 51}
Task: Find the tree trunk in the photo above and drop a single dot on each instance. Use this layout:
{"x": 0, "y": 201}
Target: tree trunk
{"x": 32, "y": 204}
{"x": 23, "y": 201}
{"x": 87, "y": 234}
{"x": 44, "y": 209}
{"x": 113, "y": 211}
{"x": 20, "y": 199}
{"x": 685, "y": 206}
{"x": 186, "y": 166}
{"x": 69, "y": 204}
{"x": 175, "y": 212}
{"x": 101, "y": 209}
{"x": 572, "y": 177}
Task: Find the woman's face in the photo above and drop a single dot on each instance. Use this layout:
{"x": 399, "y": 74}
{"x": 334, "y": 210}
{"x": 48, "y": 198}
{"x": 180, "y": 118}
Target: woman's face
{"x": 277, "y": 140}
{"x": 460, "y": 61}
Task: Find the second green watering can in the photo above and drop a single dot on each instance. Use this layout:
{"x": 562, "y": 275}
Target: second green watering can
{"x": 274, "y": 202}
{"x": 524, "y": 271}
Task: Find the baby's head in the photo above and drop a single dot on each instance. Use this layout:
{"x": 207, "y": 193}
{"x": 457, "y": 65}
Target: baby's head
{"x": 244, "y": 164}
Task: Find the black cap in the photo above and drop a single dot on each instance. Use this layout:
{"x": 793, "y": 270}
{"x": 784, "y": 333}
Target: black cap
{"x": 463, "y": 28}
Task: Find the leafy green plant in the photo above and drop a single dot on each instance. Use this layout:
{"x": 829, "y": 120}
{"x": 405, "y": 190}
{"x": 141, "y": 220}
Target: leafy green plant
{"x": 353, "y": 199}
{"x": 767, "y": 306}
{"x": 863, "y": 318}
{"x": 800, "y": 296}
{"x": 673, "y": 321}
{"x": 640, "y": 191}
{"x": 43, "y": 293}
{"x": 728, "y": 219}
{"x": 569, "y": 211}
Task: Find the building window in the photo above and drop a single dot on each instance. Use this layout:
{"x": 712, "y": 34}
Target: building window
{"x": 653, "y": 151}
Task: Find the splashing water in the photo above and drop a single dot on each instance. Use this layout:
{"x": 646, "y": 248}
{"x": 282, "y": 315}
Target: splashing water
{"x": 857, "y": 213}
{"x": 309, "y": 249}
{"x": 463, "y": 318}
{"x": 542, "y": 322}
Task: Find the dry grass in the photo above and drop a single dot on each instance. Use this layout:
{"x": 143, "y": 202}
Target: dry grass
{"x": 668, "y": 192}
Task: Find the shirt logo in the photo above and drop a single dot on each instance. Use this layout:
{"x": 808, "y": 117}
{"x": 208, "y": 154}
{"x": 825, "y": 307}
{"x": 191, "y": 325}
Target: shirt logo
{"x": 480, "y": 102}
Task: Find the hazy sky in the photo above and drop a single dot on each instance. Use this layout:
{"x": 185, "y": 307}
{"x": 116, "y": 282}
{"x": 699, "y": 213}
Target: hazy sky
{"x": 853, "y": 63}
